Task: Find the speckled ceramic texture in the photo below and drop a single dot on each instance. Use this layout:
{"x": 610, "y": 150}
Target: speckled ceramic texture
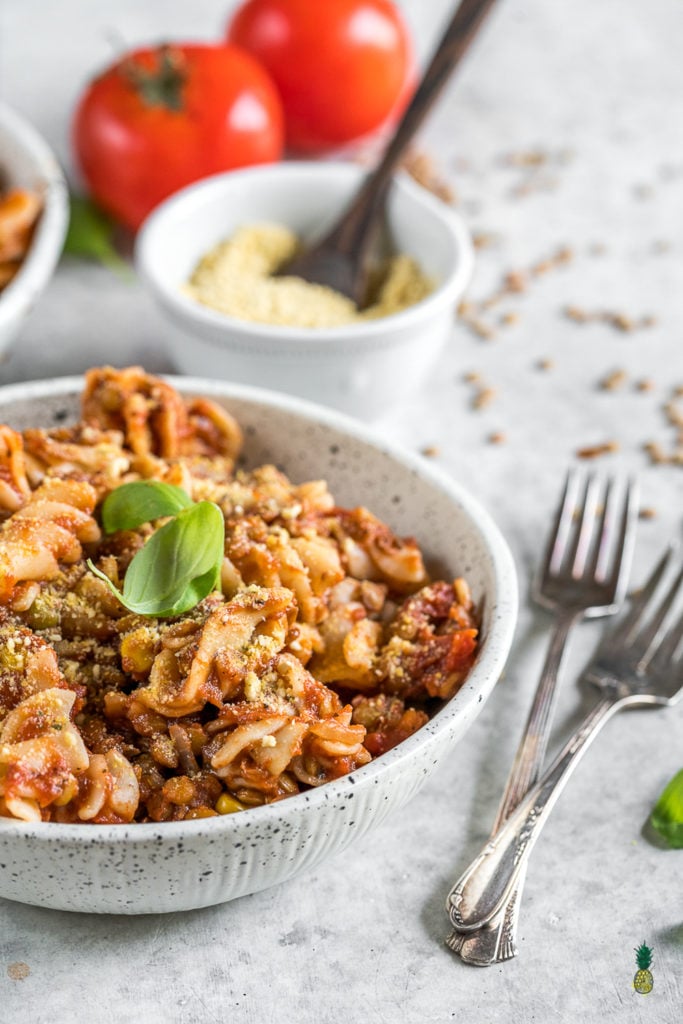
{"x": 153, "y": 868}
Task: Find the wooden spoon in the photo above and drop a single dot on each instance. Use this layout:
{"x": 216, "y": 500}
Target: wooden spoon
{"x": 340, "y": 259}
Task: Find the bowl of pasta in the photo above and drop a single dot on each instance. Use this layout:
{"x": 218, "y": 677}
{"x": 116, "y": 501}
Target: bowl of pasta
{"x": 236, "y": 631}
{"x": 34, "y": 215}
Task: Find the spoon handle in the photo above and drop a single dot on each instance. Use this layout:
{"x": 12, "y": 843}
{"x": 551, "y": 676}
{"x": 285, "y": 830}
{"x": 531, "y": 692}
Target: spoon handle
{"x": 463, "y": 26}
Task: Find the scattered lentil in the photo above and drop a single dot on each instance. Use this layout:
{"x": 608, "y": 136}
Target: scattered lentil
{"x": 483, "y": 397}
{"x": 596, "y": 450}
{"x": 620, "y": 321}
{"x": 424, "y": 170}
{"x": 613, "y": 381}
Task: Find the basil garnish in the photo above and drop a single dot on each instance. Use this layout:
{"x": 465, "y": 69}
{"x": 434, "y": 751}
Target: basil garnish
{"x": 141, "y": 501}
{"x": 667, "y": 815}
{"x": 179, "y": 565}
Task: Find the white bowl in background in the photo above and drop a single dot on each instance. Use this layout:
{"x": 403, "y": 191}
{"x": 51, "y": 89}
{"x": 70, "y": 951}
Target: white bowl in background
{"x": 362, "y": 368}
{"x": 155, "y": 868}
{"x": 27, "y": 162}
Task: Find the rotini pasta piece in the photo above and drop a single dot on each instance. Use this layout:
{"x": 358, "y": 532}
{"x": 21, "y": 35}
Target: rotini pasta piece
{"x": 28, "y": 664}
{"x": 77, "y": 451}
{"x": 213, "y": 431}
{"x": 41, "y": 755}
{"x": 266, "y": 555}
{"x": 331, "y": 748}
{"x": 276, "y": 756}
{"x": 150, "y": 414}
{"x": 396, "y": 561}
{"x": 108, "y": 790}
{"x": 49, "y": 529}
{"x": 242, "y": 738}
{"x": 321, "y": 558}
{"x": 14, "y": 486}
{"x": 19, "y": 210}
{"x": 238, "y": 638}
{"x": 153, "y": 417}
{"x": 337, "y": 737}
{"x": 314, "y": 497}
{"x": 350, "y": 648}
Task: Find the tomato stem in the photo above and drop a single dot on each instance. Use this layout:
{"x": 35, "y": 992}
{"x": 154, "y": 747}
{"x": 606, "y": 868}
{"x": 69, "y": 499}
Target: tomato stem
{"x": 163, "y": 86}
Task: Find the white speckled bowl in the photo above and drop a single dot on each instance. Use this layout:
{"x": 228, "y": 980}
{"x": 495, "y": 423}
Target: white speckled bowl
{"x": 362, "y": 368}
{"x": 27, "y": 162}
{"x": 151, "y": 868}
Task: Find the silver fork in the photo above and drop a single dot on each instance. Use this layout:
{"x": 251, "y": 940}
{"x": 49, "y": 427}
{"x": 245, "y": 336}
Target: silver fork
{"x": 584, "y": 574}
{"x": 639, "y": 664}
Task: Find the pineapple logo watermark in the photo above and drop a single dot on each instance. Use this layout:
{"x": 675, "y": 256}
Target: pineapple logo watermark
{"x": 643, "y": 980}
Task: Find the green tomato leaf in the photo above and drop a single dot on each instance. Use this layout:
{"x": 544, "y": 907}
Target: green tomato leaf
{"x": 141, "y": 501}
{"x": 90, "y": 236}
{"x": 178, "y": 567}
{"x": 667, "y": 814}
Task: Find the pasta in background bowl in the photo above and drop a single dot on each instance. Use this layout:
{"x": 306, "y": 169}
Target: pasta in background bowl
{"x": 160, "y": 864}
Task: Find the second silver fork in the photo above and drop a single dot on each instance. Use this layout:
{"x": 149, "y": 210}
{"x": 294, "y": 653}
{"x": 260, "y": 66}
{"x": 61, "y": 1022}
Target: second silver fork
{"x": 584, "y": 574}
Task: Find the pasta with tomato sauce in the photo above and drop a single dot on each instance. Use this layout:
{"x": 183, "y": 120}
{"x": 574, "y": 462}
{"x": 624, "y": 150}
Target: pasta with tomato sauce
{"x": 324, "y": 645}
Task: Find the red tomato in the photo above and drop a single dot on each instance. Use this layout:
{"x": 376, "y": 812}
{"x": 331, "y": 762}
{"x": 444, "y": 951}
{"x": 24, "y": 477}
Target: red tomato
{"x": 342, "y": 66}
{"x": 161, "y": 118}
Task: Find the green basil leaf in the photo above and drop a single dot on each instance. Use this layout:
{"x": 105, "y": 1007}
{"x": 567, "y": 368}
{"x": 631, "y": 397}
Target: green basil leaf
{"x": 90, "y": 235}
{"x": 667, "y": 814}
{"x": 178, "y": 567}
{"x": 141, "y": 501}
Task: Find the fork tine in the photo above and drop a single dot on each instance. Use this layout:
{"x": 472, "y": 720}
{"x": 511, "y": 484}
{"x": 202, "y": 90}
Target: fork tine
{"x": 639, "y": 603}
{"x": 645, "y": 639}
{"x": 596, "y": 566}
{"x": 557, "y": 538}
{"x": 667, "y": 648}
{"x": 618, "y": 578}
{"x": 578, "y": 547}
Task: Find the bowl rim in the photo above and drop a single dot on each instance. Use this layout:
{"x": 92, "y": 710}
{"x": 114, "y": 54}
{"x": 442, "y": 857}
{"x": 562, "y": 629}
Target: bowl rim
{"x": 481, "y": 680}
{"x": 46, "y": 245}
{"x": 192, "y": 311}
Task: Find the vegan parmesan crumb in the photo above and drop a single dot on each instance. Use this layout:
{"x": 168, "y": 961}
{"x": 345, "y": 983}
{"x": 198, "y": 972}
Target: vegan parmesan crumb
{"x": 431, "y": 451}
{"x": 647, "y": 513}
{"x": 236, "y": 278}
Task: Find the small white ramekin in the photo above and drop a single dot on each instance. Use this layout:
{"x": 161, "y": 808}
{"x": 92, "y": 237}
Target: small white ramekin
{"x": 363, "y": 368}
{"x": 26, "y": 161}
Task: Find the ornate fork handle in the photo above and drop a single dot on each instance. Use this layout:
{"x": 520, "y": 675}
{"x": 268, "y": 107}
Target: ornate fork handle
{"x": 497, "y": 942}
{"x": 488, "y": 882}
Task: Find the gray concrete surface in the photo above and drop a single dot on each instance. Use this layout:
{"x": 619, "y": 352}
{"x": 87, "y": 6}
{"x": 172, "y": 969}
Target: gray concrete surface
{"x": 598, "y": 89}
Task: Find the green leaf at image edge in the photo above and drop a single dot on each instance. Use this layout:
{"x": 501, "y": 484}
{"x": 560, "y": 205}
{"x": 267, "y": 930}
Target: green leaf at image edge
{"x": 178, "y": 567}
{"x": 89, "y": 236}
{"x": 131, "y": 505}
{"x": 667, "y": 814}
